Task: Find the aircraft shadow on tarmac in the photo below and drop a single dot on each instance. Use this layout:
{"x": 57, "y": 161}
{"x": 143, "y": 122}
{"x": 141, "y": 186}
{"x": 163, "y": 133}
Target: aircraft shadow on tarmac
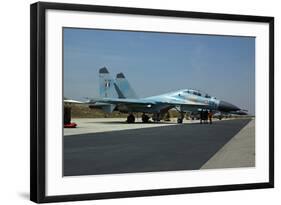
{"x": 151, "y": 123}
{"x": 164, "y": 148}
{"x": 124, "y": 122}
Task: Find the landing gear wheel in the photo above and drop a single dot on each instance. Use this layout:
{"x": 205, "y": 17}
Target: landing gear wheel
{"x": 145, "y": 118}
{"x": 180, "y": 120}
{"x": 131, "y": 118}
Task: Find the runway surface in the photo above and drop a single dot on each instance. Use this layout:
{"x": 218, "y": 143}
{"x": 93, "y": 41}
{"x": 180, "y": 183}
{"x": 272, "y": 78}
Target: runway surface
{"x": 166, "y": 148}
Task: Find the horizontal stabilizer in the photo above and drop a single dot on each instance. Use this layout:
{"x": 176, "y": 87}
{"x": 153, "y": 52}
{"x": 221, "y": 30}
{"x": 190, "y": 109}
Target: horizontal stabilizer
{"x": 73, "y": 101}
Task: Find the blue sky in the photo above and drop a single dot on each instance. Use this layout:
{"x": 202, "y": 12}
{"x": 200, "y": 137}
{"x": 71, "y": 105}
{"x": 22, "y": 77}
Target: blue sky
{"x": 155, "y": 63}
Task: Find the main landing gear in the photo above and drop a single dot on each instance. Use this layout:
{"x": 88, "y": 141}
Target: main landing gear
{"x": 181, "y": 117}
{"x": 131, "y": 118}
{"x": 145, "y": 118}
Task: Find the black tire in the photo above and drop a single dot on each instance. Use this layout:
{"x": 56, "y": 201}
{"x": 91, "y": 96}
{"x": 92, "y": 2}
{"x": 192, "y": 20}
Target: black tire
{"x": 131, "y": 119}
{"x": 180, "y": 121}
{"x": 144, "y": 118}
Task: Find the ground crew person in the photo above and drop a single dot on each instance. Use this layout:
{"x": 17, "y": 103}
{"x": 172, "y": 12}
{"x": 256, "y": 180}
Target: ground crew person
{"x": 205, "y": 116}
{"x": 210, "y": 116}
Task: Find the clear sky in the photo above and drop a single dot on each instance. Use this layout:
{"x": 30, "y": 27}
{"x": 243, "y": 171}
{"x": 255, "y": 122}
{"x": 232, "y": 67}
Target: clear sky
{"x": 155, "y": 63}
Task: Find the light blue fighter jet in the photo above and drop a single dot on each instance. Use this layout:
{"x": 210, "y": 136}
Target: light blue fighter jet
{"x": 118, "y": 95}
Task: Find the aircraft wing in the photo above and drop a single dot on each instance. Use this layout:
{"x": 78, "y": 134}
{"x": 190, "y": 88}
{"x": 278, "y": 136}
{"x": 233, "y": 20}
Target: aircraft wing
{"x": 190, "y": 103}
{"x": 116, "y": 101}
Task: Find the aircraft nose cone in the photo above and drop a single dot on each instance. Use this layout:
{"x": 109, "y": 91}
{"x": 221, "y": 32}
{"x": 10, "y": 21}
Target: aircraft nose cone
{"x": 227, "y": 107}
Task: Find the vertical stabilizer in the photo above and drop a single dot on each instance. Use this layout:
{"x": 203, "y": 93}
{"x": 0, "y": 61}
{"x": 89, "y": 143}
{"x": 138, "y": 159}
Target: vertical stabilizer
{"x": 107, "y": 89}
{"x": 124, "y": 86}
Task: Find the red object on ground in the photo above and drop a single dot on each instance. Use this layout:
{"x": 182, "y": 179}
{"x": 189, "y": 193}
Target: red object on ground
{"x": 70, "y": 125}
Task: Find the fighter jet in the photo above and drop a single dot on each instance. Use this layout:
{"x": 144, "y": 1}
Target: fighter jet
{"x": 117, "y": 94}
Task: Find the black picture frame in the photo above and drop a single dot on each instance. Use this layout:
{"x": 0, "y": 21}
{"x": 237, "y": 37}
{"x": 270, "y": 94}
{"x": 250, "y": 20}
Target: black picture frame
{"x": 38, "y": 101}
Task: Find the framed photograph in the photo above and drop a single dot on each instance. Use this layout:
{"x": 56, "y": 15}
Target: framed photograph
{"x": 129, "y": 102}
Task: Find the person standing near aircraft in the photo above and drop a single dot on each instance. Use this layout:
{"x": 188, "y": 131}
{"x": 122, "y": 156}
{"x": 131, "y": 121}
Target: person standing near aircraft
{"x": 210, "y": 116}
{"x": 201, "y": 116}
{"x": 205, "y": 116}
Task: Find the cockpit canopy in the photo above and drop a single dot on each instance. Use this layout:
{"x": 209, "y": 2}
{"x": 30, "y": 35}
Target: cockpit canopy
{"x": 198, "y": 93}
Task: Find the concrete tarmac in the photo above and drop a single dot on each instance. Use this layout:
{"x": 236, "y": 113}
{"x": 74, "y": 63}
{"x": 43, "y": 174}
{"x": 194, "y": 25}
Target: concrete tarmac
{"x": 164, "y": 148}
{"x": 94, "y": 125}
{"x": 238, "y": 152}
